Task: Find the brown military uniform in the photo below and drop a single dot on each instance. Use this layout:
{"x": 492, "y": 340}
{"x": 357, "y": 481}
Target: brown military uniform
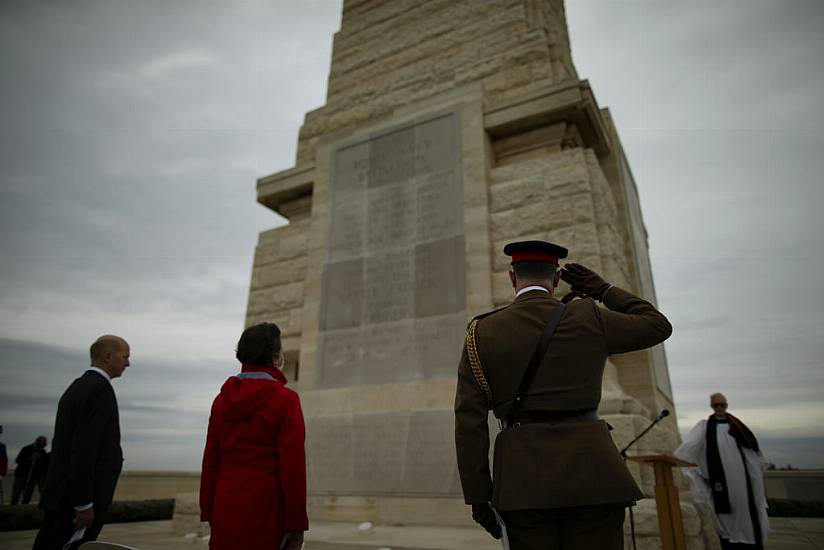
{"x": 546, "y": 470}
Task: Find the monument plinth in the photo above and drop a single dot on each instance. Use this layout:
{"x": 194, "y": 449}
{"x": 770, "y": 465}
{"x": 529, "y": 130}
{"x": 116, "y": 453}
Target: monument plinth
{"x": 450, "y": 128}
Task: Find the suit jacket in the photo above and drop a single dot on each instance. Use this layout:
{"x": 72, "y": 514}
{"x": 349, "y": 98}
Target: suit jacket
{"x": 86, "y": 457}
{"x": 543, "y": 465}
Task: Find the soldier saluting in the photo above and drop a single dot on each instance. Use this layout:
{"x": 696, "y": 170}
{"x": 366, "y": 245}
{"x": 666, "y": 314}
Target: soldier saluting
{"x": 558, "y": 480}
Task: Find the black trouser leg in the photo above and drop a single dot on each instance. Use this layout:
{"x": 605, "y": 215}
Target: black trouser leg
{"x": 578, "y": 528}
{"x": 27, "y": 492}
{"x": 589, "y": 527}
{"x": 533, "y": 529}
{"x": 56, "y": 529}
{"x": 17, "y": 489}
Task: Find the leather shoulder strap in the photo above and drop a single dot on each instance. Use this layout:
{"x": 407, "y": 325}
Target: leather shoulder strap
{"x": 512, "y": 407}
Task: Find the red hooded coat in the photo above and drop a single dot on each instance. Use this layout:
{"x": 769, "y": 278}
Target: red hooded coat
{"x": 253, "y": 483}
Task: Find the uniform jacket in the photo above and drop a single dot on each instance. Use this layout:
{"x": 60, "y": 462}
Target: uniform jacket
{"x": 253, "y": 483}
{"x": 86, "y": 457}
{"x": 542, "y": 465}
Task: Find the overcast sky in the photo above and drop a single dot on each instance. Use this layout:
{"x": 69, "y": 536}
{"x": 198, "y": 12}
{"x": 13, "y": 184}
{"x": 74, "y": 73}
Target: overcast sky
{"x": 133, "y": 132}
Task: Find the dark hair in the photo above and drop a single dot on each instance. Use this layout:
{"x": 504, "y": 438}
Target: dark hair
{"x": 534, "y": 271}
{"x": 258, "y": 344}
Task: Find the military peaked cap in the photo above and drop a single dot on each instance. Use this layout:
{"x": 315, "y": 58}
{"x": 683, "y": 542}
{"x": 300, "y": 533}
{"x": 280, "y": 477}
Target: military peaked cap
{"x": 535, "y": 251}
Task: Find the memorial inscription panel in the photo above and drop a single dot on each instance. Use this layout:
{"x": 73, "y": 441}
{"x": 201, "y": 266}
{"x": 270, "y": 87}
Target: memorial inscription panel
{"x": 393, "y": 296}
{"x": 410, "y": 453}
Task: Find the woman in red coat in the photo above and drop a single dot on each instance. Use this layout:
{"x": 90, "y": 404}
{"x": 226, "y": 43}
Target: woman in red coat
{"x": 253, "y": 483}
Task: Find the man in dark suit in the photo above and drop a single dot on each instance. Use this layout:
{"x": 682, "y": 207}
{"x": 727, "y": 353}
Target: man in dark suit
{"x": 86, "y": 457}
{"x": 558, "y": 481}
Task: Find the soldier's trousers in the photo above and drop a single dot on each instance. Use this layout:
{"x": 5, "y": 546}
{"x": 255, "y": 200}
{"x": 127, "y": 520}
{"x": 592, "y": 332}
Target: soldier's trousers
{"x": 598, "y": 527}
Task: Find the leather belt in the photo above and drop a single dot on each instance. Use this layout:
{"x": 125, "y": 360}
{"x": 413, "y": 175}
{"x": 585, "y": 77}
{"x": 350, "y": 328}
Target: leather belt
{"x": 552, "y": 417}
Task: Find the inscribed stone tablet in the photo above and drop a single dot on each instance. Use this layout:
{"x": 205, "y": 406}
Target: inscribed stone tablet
{"x": 392, "y": 157}
{"x": 439, "y": 281}
{"x": 379, "y": 449}
{"x": 330, "y": 456}
{"x": 351, "y": 169}
{"x": 435, "y": 339}
{"x": 343, "y": 295}
{"x": 393, "y": 277}
{"x": 430, "y": 466}
{"x": 408, "y": 452}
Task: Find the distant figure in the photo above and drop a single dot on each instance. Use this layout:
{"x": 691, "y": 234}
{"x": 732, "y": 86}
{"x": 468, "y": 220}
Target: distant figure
{"x": 558, "y": 480}
{"x": 253, "y": 482}
{"x": 729, "y": 476}
{"x": 86, "y": 457}
{"x": 4, "y": 466}
{"x": 41, "y": 469}
{"x": 28, "y": 471}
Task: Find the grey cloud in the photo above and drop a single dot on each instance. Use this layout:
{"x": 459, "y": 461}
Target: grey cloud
{"x": 135, "y": 134}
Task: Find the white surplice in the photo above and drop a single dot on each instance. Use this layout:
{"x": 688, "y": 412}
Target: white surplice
{"x": 736, "y": 526}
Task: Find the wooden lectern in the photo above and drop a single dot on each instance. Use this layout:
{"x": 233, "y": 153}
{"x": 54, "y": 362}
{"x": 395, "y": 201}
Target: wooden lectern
{"x": 666, "y": 499}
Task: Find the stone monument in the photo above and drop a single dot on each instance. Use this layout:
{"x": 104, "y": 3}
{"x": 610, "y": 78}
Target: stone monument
{"x": 449, "y": 129}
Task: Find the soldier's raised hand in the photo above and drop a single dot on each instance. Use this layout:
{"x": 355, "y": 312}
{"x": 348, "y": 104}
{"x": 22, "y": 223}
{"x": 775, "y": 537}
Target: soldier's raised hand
{"x": 584, "y": 280}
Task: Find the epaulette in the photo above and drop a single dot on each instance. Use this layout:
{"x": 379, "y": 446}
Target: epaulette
{"x": 572, "y": 295}
{"x": 487, "y": 314}
{"x": 474, "y": 358}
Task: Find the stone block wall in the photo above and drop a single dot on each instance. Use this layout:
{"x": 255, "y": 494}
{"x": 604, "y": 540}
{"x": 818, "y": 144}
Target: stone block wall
{"x": 564, "y": 198}
{"x": 390, "y": 54}
{"x": 277, "y": 287}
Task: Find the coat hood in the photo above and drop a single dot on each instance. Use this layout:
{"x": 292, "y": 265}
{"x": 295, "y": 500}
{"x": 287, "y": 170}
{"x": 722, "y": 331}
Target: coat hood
{"x": 244, "y": 397}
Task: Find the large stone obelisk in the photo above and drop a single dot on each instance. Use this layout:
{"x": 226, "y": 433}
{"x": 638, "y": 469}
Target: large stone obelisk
{"x": 450, "y": 128}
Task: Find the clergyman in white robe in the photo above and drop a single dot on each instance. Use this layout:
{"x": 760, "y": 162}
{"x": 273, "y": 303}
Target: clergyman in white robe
{"x": 735, "y": 527}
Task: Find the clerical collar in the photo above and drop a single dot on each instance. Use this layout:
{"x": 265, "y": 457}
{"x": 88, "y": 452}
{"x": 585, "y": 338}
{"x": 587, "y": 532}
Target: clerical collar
{"x": 530, "y": 288}
{"x": 102, "y": 373}
{"x": 724, "y": 420}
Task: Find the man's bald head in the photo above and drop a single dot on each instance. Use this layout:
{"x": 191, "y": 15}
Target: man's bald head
{"x": 111, "y": 354}
{"x": 104, "y": 344}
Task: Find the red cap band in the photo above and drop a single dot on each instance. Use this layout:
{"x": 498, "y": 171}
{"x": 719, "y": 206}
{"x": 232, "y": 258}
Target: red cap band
{"x": 533, "y": 256}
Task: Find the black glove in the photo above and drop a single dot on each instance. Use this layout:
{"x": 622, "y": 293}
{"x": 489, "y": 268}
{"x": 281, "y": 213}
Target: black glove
{"x": 584, "y": 280}
{"x": 484, "y": 515}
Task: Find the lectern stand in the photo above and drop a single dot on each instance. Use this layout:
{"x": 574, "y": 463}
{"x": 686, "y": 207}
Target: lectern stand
{"x": 666, "y": 499}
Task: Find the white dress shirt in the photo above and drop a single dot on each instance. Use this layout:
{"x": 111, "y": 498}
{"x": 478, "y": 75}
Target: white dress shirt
{"x": 529, "y": 288}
